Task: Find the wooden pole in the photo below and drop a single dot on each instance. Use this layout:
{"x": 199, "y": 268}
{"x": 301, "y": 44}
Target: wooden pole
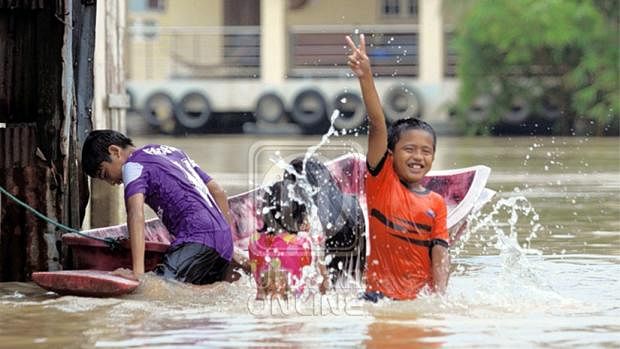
{"x": 110, "y": 104}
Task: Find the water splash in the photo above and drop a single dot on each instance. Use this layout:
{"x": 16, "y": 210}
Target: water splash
{"x": 504, "y": 224}
{"x": 512, "y": 281}
{"x": 324, "y": 139}
{"x": 309, "y": 285}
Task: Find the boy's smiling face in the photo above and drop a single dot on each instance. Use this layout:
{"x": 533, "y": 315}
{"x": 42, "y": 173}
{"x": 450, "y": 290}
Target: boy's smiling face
{"x": 413, "y": 155}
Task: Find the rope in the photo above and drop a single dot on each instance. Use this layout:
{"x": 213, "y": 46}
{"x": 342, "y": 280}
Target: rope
{"x": 108, "y": 241}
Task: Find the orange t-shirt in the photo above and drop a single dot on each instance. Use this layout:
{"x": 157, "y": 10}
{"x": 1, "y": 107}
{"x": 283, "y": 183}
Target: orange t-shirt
{"x": 403, "y": 227}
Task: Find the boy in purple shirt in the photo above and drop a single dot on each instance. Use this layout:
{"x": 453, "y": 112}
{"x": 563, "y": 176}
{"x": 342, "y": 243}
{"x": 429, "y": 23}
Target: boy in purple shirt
{"x": 192, "y": 206}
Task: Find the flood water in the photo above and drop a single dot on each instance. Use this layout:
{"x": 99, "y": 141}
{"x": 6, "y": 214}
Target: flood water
{"x": 540, "y": 266}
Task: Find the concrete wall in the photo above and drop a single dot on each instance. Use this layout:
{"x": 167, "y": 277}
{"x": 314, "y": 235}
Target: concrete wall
{"x": 151, "y": 58}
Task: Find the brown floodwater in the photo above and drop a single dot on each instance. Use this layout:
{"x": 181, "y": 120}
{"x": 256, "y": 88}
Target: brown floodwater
{"x": 540, "y": 266}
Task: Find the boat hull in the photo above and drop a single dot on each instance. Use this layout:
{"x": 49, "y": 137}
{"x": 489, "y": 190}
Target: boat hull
{"x": 88, "y": 283}
{"x": 463, "y": 190}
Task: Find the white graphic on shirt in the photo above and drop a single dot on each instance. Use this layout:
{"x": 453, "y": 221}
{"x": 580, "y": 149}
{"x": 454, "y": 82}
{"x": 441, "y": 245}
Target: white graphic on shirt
{"x": 131, "y": 172}
{"x": 160, "y": 150}
{"x": 190, "y": 173}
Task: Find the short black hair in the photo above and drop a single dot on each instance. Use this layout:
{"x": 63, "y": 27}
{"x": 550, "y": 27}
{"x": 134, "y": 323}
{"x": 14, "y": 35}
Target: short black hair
{"x": 316, "y": 173}
{"x": 284, "y": 208}
{"x": 95, "y": 148}
{"x": 402, "y": 125}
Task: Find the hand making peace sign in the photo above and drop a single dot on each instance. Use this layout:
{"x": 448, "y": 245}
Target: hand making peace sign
{"x": 358, "y": 60}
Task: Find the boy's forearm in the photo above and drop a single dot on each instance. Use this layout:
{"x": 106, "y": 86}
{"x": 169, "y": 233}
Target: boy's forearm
{"x": 221, "y": 200}
{"x": 135, "y": 226}
{"x": 372, "y": 101}
{"x": 440, "y": 268}
{"x": 377, "y": 130}
{"x": 137, "y": 248}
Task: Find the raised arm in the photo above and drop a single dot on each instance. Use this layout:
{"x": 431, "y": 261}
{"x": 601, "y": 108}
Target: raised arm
{"x": 135, "y": 225}
{"x": 377, "y": 133}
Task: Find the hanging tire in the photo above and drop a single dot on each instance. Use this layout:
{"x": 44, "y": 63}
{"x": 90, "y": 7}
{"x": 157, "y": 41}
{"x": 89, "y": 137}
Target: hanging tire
{"x": 550, "y": 107}
{"x": 480, "y": 109}
{"x": 193, "y": 111}
{"x": 352, "y": 111}
{"x": 159, "y": 112}
{"x": 518, "y": 111}
{"x": 402, "y": 101}
{"x": 309, "y": 109}
{"x": 269, "y": 108}
{"x": 132, "y": 100}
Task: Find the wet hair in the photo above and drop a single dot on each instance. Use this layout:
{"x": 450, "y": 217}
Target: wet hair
{"x": 321, "y": 187}
{"x": 95, "y": 148}
{"x": 340, "y": 214}
{"x": 316, "y": 173}
{"x": 283, "y": 208}
{"x": 402, "y": 125}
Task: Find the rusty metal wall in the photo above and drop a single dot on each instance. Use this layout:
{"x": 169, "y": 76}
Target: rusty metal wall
{"x": 42, "y": 67}
{"x": 30, "y": 73}
{"x": 57, "y": 5}
{"x": 26, "y": 242}
{"x": 17, "y": 144}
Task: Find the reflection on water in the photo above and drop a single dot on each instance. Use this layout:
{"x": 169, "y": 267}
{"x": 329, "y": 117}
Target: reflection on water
{"x": 556, "y": 289}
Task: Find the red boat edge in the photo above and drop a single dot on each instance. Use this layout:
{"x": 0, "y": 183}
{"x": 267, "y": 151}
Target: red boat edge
{"x": 87, "y": 283}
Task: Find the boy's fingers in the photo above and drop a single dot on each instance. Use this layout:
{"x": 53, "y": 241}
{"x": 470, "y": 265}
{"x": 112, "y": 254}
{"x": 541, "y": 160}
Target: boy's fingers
{"x": 362, "y": 43}
{"x": 351, "y": 43}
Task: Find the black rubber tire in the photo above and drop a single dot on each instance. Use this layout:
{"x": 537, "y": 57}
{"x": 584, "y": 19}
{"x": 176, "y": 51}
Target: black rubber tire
{"x": 193, "y": 110}
{"x": 159, "y": 110}
{"x": 352, "y": 111}
{"x": 309, "y": 109}
{"x": 550, "y": 105}
{"x": 132, "y": 100}
{"x": 479, "y": 109}
{"x": 518, "y": 111}
{"x": 402, "y": 101}
{"x": 269, "y": 108}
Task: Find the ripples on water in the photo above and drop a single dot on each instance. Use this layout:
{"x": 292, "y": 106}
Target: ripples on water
{"x": 509, "y": 295}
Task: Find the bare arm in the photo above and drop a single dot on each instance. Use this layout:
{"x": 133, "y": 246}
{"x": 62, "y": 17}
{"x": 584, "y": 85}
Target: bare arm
{"x": 221, "y": 199}
{"x": 135, "y": 225}
{"x": 322, "y": 268}
{"x": 377, "y": 133}
{"x": 440, "y": 268}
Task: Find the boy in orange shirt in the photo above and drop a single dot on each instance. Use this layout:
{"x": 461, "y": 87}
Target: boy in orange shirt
{"x": 408, "y": 231}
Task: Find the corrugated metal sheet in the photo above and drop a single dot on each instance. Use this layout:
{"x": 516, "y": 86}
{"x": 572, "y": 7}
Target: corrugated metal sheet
{"x": 18, "y": 144}
{"x": 24, "y": 245}
{"x": 27, "y": 243}
{"x": 39, "y": 149}
{"x": 31, "y": 4}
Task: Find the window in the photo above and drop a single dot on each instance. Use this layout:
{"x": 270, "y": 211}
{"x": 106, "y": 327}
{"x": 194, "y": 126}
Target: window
{"x": 156, "y": 5}
{"x": 412, "y": 8}
{"x": 145, "y": 29}
{"x": 399, "y": 8}
{"x": 391, "y": 7}
{"x": 146, "y": 5}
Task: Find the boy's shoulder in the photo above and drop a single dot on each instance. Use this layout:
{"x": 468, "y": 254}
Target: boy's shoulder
{"x": 435, "y": 196}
